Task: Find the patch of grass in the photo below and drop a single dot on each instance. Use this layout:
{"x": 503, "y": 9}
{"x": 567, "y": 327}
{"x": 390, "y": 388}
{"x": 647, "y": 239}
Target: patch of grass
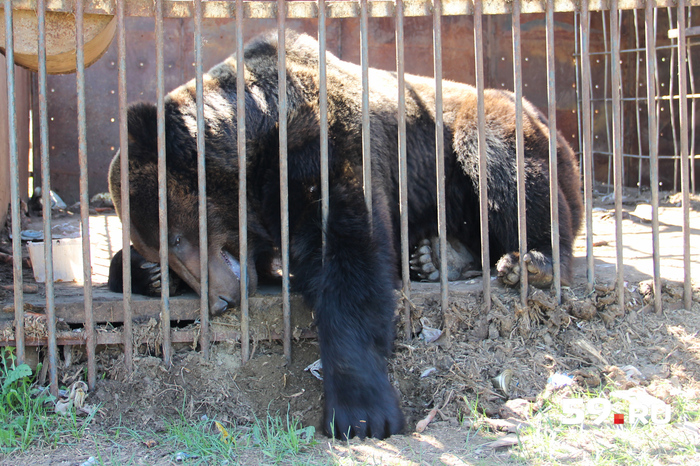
{"x": 274, "y": 439}
{"x": 23, "y": 414}
{"x": 27, "y": 415}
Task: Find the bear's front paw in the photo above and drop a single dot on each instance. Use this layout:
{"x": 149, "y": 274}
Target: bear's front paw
{"x": 153, "y": 278}
{"x": 371, "y": 412}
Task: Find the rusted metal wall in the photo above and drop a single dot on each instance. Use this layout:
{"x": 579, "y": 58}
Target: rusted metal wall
{"x": 22, "y": 104}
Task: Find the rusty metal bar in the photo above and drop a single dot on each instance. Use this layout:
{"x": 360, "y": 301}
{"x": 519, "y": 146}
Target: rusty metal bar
{"x": 606, "y": 107}
{"x": 587, "y": 143}
{"x": 671, "y": 108}
{"x": 162, "y": 188}
{"x": 84, "y": 196}
{"x": 366, "y": 142}
{"x": 242, "y": 184}
{"x": 553, "y": 171}
{"x": 14, "y": 184}
{"x": 693, "y": 118}
{"x": 684, "y": 159}
{"x": 616, "y": 90}
{"x": 284, "y": 179}
{"x": 124, "y": 191}
{"x": 46, "y": 194}
{"x": 177, "y": 336}
{"x": 481, "y": 136}
{"x": 323, "y": 122}
{"x": 336, "y": 9}
{"x": 202, "y": 185}
{"x": 637, "y": 107}
{"x": 653, "y": 149}
{"x": 520, "y": 148}
{"x": 440, "y": 153}
{"x": 403, "y": 169}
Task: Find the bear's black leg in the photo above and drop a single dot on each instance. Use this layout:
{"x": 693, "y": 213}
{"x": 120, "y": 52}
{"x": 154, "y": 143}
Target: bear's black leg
{"x": 352, "y": 295}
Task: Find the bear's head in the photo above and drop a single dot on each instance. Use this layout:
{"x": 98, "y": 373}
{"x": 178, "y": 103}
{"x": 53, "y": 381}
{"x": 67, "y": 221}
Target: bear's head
{"x": 182, "y": 203}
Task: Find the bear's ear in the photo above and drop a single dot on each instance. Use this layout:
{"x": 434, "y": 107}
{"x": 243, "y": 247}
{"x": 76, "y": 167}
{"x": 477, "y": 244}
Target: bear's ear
{"x": 143, "y": 129}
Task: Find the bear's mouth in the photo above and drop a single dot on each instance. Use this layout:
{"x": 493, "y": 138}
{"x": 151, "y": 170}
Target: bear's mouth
{"x": 232, "y": 263}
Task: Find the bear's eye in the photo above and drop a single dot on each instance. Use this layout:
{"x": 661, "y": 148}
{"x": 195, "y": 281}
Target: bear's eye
{"x": 175, "y": 242}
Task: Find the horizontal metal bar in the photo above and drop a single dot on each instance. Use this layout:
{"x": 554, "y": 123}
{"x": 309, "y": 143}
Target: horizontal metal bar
{"x": 644, "y": 156}
{"x": 177, "y": 336}
{"x": 334, "y": 9}
{"x": 692, "y": 31}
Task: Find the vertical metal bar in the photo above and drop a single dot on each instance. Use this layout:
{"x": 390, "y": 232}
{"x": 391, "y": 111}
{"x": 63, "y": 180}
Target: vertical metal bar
{"x": 616, "y": 89}
{"x": 553, "y": 172}
{"x": 284, "y": 181}
{"x": 127, "y": 333}
{"x": 14, "y": 183}
{"x": 242, "y": 183}
{"x": 606, "y": 107}
{"x": 671, "y": 107}
{"x": 323, "y": 122}
{"x": 653, "y": 149}
{"x": 162, "y": 187}
{"x": 440, "y": 152}
{"x": 481, "y": 137}
{"x": 403, "y": 169}
{"x": 693, "y": 118}
{"x": 685, "y": 175}
{"x": 520, "y": 148}
{"x": 588, "y": 174}
{"x": 366, "y": 149}
{"x": 84, "y": 197}
{"x": 46, "y": 193}
{"x": 202, "y": 186}
{"x": 637, "y": 106}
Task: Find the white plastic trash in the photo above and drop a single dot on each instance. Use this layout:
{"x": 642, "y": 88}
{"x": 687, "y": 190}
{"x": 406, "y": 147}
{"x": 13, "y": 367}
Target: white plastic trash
{"x": 67, "y": 260}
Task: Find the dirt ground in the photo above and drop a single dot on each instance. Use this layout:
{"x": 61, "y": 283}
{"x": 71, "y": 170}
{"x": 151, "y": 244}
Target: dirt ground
{"x": 588, "y": 337}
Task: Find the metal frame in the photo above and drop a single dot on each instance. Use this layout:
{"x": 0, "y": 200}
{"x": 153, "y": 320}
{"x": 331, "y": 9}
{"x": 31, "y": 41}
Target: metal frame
{"x": 242, "y": 11}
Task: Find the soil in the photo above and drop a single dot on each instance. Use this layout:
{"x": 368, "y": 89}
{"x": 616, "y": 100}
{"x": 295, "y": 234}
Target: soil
{"x": 589, "y": 337}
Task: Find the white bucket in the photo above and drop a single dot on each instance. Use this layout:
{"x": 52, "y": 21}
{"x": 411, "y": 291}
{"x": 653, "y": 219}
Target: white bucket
{"x": 67, "y": 260}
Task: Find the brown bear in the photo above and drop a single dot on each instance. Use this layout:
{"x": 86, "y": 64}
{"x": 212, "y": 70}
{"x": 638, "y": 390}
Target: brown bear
{"x": 351, "y": 287}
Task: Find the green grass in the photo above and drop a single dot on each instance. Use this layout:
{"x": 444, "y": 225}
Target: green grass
{"x": 23, "y": 414}
{"x": 27, "y": 415}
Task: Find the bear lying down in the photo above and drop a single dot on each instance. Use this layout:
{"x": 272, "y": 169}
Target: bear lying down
{"x": 351, "y": 287}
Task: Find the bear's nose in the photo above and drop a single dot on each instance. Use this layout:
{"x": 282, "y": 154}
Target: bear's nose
{"x": 220, "y": 305}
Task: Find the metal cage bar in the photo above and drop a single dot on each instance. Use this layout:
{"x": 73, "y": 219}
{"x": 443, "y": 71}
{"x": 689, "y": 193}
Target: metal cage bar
{"x": 366, "y": 138}
{"x": 323, "y": 122}
{"x": 204, "y": 337}
{"x": 403, "y": 169}
{"x": 553, "y": 171}
{"x": 684, "y": 158}
{"x": 127, "y": 331}
{"x": 440, "y": 153}
{"x": 520, "y": 149}
{"x": 242, "y": 184}
{"x": 14, "y": 184}
{"x": 284, "y": 178}
{"x": 650, "y": 45}
{"x": 616, "y": 91}
{"x": 162, "y": 187}
{"x": 587, "y": 142}
{"x": 84, "y": 197}
{"x": 46, "y": 192}
{"x": 481, "y": 137}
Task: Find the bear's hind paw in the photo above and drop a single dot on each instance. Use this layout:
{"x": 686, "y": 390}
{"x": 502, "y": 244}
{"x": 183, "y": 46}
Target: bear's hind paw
{"x": 539, "y": 268}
